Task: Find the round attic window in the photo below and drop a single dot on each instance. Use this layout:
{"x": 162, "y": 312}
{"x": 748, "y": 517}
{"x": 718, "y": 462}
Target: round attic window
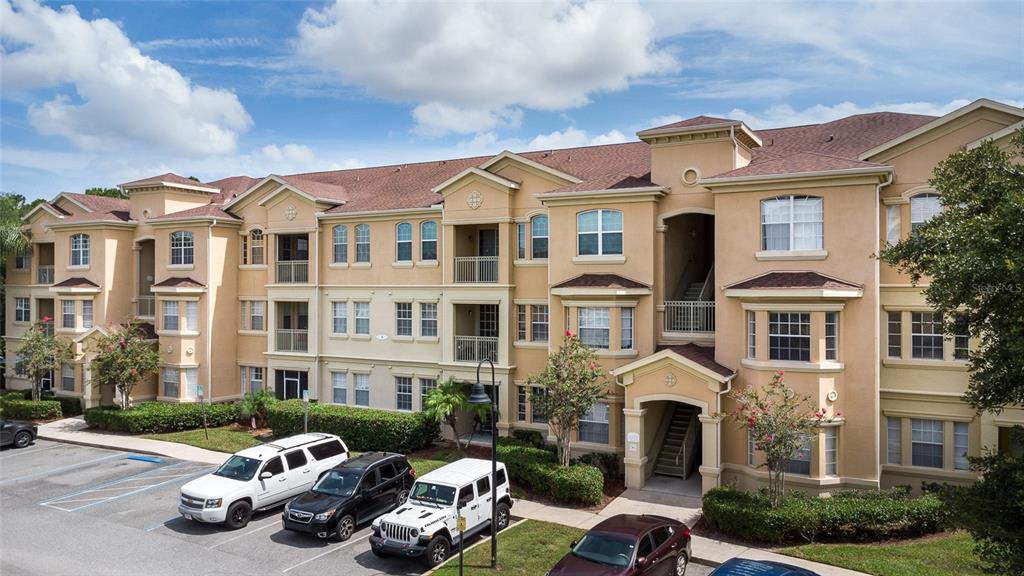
{"x": 690, "y": 176}
{"x": 146, "y": 213}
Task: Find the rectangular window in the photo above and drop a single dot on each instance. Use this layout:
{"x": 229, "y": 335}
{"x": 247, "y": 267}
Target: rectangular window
{"x": 539, "y": 236}
{"x": 403, "y": 318}
{"x": 171, "y": 381}
{"x": 599, "y": 232}
{"x": 751, "y": 448}
{"x": 791, "y": 223}
{"x": 960, "y": 446}
{"x": 339, "y": 387}
{"x": 403, "y": 242}
{"x": 362, "y": 389}
{"x": 626, "y": 328}
{"x": 594, "y": 425}
{"x": 428, "y": 240}
{"x": 892, "y": 224}
{"x": 67, "y": 313}
{"x": 895, "y": 334}
{"x": 426, "y": 386}
{"x": 539, "y": 323}
{"x": 594, "y": 327}
{"x": 894, "y": 440}
{"x": 340, "y": 310}
{"x": 428, "y": 319}
{"x": 80, "y": 250}
{"x": 340, "y": 244}
{"x": 520, "y": 322}
{"x": 789, "y": 336}
{"x": 191, "y": 383}
{"x": 926, "y": 335}
{"x": 751, "y": 334}
{"x": 252, "y": 379}
{"x": 67, "y": 377}
{"x": 831, "y": 451}
{"x": 362, "y": 317}
{"x": 87, "y": 314}
{"x": 22, "y": 310}
{"x": 170, "y": 315}
{"x": 926, "y": 439}
{"x": 245, "y": 249}
{"x": 403, "y": 393}
{"x": 521, "y": 403}
{"x": 362, "y": 243}
{"x": 536, "y": 414}
{"x": 831, "y": 335}
{"x": 961, "y": 339}
{"x": 800, "y": 463}
{"x": 256, "y": 247}
{"x": 521, "y": 240}
{"x": 23, "y": 260}
{"x": 192, "y": 316}
{"x": 258, "y": 313}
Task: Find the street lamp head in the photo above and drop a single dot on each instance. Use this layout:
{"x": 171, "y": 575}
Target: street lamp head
{"x": 478, "y": 395}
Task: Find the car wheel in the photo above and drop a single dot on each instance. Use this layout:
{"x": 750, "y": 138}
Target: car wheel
{"x": 403, "y": 495}
{"x": 681, "y": 563}
{"x": 502, "y": 515}
{"x": 239, "y": 514}
{"x": 22, "y": 439}
{"x": 437, "y": 552}
{"x": 346, "y": 526}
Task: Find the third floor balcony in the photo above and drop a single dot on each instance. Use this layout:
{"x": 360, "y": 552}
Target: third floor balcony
{"x": 477, "y": 254}
{"x": 44, "y": 274}
{"x": 293, "y": 259}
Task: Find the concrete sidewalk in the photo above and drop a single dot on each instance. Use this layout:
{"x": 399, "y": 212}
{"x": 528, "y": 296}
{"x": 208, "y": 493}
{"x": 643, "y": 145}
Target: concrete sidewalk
{"x": 75, "y": 431}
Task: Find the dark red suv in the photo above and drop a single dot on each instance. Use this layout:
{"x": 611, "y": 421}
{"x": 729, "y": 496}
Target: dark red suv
{"x": 629, "y": 545}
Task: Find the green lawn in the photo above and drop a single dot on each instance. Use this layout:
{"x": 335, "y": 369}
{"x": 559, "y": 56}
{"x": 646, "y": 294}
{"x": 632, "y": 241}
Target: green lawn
{"x": 529, "y": 548}
{"x": 943, "y": 554}
{"x": 225, "y": 439}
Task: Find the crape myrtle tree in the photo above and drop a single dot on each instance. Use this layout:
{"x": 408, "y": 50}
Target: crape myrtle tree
{"x": 570, "y": 384}
{"x": 42, "y": 352}
{"x": 780, "y": 421}
{"x": 124, "y": 358}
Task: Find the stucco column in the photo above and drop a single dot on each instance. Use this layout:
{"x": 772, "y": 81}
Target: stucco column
{"x": 635, "y": 459}
{"x": 711, "y": 459}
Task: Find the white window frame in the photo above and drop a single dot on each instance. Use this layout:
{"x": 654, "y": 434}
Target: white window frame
{"x": 521, "y": 241}
{"x": 403, "y": 393}
{"x": 87, "y": 314}
{"x": 253, "y": 378}
{"x": 22, "y": 309}
{"x": 789, "y": 320}
{"x": 831, "y": 335}
{"x": 23, "y": 260}
{"x": 601, "y": 232}
{"x": 403, "y": 319}
{"x": 339, "y": 383}
{"x": 171, "y": 377}
{"x": 813, "y": 220}
{"x": 65, "y": 316}
{"x": 521, "y": 412}
{"x": 362, "y": 315}
{"x": 923, "y": 207}
{"x": 67, "y": 371}
{"x": 540, "y": 323}
{"x": 165, "y": 314}
{"x": 520, "y": 322}
{"x": 893, "y": 223}
{"x": 598, "y": 418}
{"x": 751, "y": 334}
{"x": 362, "y": 243}
{"x": 403, "y": 241}
{"x": 923, "y": 432}
{"x": 894, "y": 334}
{"x": 426, "y": 386}
{"x": 428, "y": 238}
{"x": 362, "y": 388}
{"x": 894, "y": 440}
{"x": 592, "y": 322}
{"x": 831, "y": 438}
{"x": 339, "y": 317}
{"x": 257, "y": 241}
{"x": 626, "y": 316}
{"x": 751, "y": 448}
{"x": 919, "y": 322}
{"x": 428, "y": 319}
{"x": 543, "y": 238}
{"x": 340, "y": 241}
{"x": 804, "y": 450}
{"x": 961, "y": 446}
{"x": 182, "y": 248}
{"x": 80, "y": 250}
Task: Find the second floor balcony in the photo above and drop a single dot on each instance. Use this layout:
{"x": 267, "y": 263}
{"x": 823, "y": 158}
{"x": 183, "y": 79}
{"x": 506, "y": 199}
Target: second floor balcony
{"x": 292, "y": 259}
{"x": 292, "y": 340}
{"x": 690, "y": 316}
{"x": 293, "y": 272}
{"x": 476, "y": 348}
{"x": 476, "y": 269}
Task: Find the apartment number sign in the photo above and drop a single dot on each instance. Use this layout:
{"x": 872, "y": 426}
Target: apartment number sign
{"x": 475, "y": 199}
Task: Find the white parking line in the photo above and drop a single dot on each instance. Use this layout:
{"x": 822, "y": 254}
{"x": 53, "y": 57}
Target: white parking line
{"x": 62, "y": 469}
{"x": 161, "y": 524}
{"x": 9, "y": 455}
{"x": 228, "y": 541}
{"x": 59, "y": 502}
{"x": 142, "y": 489}
{"x": 318, "y": 556}
{"x": 114, "y": 482}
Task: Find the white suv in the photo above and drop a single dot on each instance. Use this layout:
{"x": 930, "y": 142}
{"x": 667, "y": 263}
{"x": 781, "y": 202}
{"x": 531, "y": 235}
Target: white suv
{"x": 426, "y": 525}
{"x": 286, "y": 468}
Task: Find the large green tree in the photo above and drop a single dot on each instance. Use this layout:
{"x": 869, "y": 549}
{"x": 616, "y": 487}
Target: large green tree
{"x": 972, "y": 256}
{"x": 41, "y": 352}
{"x": 124, "y": 358}
{"x": 108, "y": 192}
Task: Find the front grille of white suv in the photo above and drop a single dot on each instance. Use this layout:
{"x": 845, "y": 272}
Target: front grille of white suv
{"x": 396, "y": 532}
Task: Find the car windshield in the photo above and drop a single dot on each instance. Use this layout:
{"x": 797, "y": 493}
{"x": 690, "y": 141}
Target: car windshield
{"x": 433, "y": 493}
{"x": 340, "y": 483}
{"x": 238, "y": 468}
{"x": 606, "y": 549}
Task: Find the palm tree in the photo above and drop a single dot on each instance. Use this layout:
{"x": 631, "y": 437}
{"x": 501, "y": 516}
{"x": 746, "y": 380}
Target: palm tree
{"x": 444, "y": 404}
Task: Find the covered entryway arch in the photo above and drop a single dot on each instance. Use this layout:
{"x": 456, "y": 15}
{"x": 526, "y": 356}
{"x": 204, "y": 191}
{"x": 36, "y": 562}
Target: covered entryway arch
{"x": 672, "y": 398}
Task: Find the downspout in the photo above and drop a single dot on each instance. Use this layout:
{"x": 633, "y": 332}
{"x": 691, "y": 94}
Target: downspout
{"x": 877, "y": 338}
{"x": 718, "y": 411}
{"x": 209, "y": 311}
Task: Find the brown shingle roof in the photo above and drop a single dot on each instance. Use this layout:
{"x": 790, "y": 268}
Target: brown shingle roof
{"x": 168, "y": 177}
{"x": 207, "y": 211}
{"x": 230, "y": 187}
{"x": 695, "y": 121}
{"x": 77, "y": 282}
{"x": 99, "y": 203}
{"x": 701, "y": 355}
{"x": 115, "y": 216}
{"x": 797, "y": 163}
{"x": 600, "y": 281}
{"x": 796, "y": 279}
{"x": 179, "y": 282}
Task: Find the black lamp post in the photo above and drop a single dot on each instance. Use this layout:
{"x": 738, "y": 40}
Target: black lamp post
{"x": 476, "y": 397}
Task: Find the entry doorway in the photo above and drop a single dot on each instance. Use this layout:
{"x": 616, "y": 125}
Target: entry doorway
{"x": 290, "y": 384}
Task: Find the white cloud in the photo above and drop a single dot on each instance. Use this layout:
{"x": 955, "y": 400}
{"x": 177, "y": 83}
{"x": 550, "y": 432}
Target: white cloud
{"x": 786, "y": 115}
{"x": 228, "y": 42}
{"x": 121, "y": 98}
{"x": 480, "y": 62}
{"x": 570, "y": 137}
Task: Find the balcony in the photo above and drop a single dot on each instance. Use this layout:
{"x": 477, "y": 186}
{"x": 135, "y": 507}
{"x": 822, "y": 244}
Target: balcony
{"x": 293, "y": 272}
{"x": 292, "y": 340}
{"x": 145, "y": 306}
{"x": 690, "y": 316}
{"x": 44, "y": 274}
{"x": 476, "y": 269}
{"x": 476, "y": 348}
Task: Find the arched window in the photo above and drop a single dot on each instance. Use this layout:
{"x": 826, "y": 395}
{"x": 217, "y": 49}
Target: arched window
{"x": 428, "y": 240}
{"x": 599, "y": 233}
{"x": 539, "y": 236}
{"x": 363, "y": 243}
{"x": 922, "y": 208}
{"x": 181, "y": 247}
{"x": 80, "y": 250}
{"x": 403, "y": 242}
{"x": 340, "y": 244}
{"x": 256, "y": 247}
{"x": 792, "y": 223}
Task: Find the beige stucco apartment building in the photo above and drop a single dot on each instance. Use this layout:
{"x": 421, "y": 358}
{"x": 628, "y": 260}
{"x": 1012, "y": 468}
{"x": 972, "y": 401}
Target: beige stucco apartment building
{"x": 704, "y": 257}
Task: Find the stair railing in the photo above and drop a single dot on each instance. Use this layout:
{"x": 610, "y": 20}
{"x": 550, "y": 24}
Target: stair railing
{"x": 708, "y": 283}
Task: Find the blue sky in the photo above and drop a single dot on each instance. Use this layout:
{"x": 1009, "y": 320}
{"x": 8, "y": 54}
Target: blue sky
{"x": 98, "y": 93}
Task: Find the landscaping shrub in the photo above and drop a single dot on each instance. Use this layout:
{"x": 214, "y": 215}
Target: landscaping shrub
{"x": 609, "y": 463}
{"x": 69, "y": 406}
{"x": 18, "y": 409}
{"x": 531, "y": 437}
{"x": 853, "y": 515}
{"x": 362, "y": 429}
{"x": 538, "y": 469}
{"x": 155, "y": 417}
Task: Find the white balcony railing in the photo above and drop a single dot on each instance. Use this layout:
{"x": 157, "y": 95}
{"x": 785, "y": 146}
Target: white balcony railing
{"x": 145, "y": 306}
{"x": 690, "y": 316}
{"x": 473, "y": 269}
{"x": 293, "y": 271}
{"x": 292, "y": 340}
{"x": 476, "y": 348}
{"x": 44, "y": 275}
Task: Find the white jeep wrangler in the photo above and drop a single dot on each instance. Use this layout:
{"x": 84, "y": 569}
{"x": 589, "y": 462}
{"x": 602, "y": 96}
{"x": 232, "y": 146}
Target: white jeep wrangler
{"x": 260, "y": 477}
{"x": 426, "y": 526}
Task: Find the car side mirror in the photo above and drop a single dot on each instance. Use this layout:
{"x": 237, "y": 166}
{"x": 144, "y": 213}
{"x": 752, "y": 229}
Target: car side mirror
{"x": 265, "y": 475}
{"x": 573, "y": 545}
{"x": 641, "y": 561}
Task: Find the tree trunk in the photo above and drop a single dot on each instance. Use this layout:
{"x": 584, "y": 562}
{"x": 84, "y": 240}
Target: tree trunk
{"x": 455, "y": 434}
{"x": 36, "y": 393}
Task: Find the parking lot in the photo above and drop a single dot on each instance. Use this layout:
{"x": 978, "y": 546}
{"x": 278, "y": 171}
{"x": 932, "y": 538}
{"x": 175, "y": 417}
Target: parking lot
{"x": 68, "y": 509}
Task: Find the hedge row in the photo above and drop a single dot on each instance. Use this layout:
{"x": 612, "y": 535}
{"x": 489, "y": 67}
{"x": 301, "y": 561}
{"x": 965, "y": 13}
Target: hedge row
{"x": 69, "y": 406}
{"x": 18, "y": 409}
{"x": 855, "y": 515}
{"x": 362, "y": 429}
{"x": 538, "y": 469}
{"x": 155, "y": 417}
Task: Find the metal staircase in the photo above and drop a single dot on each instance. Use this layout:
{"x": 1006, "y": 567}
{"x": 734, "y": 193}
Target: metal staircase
{"x": 679, "y": 446}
